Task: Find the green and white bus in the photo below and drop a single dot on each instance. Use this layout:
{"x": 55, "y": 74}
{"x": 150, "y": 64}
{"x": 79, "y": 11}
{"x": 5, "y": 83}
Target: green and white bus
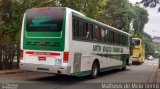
{"x": 60, "y": 40}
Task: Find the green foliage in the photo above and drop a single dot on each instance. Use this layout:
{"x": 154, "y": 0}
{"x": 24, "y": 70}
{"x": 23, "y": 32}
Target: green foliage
{"x": 119, "y": 14}
{"x": 149, "y": 45}
{"x": 150, "y": 3}
{"x": 91, "y": 8}
{"x": 140, "y": 20}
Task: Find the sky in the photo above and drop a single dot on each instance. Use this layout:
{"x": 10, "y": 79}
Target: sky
{"x": 153, "y": 26}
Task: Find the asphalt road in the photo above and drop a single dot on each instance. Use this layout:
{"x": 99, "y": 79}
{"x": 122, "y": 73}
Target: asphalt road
{"x": 143, "y": 73}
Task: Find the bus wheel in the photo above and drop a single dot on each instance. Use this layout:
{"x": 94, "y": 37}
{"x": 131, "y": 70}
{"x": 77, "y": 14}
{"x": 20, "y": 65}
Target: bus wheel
{"x": 124, "y": 65}
{"x": 94, "y": 71}
{"x": 128, "y": 62}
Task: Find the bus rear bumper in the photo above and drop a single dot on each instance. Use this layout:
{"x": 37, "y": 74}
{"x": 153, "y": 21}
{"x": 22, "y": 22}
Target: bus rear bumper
{"x": 56, "y": 69}
{"x": 136, "y": 60}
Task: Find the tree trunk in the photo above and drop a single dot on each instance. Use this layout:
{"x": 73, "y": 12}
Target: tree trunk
{"x": 0, "y": 56}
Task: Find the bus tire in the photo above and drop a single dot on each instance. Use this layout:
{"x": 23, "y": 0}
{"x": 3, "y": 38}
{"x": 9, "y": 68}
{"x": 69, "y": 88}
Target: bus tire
{"x": 128, "y": 62}
{"x": 124, "y": 65}
{"x": 94, "y": 71}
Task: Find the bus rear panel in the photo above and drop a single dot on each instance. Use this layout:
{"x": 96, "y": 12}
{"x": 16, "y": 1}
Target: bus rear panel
{"x": 138, "y": 51}
{"x": 42, "y": 43}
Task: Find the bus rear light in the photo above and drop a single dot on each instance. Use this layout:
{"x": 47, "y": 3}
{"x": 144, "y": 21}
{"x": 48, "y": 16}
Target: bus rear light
{"x": 21, "y": 54}
{"x": 29, "y": 52}
{"x": 54, "y": 54}
{"x": 43, "y": 53}
{"x": 65, "y": 56}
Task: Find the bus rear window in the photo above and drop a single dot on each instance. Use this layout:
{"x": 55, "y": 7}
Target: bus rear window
{"x": 44, "y": 19}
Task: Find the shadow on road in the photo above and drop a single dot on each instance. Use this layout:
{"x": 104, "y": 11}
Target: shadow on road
{"x": 137, "y": 63}
{"x": 68, "y": 80}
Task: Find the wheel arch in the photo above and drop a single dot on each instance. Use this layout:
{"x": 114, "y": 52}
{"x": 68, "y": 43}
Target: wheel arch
{"x": 127, "y": 61}
{"x": 98, "y": 63}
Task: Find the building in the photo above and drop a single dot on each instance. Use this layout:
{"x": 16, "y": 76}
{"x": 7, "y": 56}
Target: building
{"x": 156, "y": 40}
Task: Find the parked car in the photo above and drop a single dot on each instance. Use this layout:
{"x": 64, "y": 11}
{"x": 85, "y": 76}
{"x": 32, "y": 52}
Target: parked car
{"x": 150, "y": 57}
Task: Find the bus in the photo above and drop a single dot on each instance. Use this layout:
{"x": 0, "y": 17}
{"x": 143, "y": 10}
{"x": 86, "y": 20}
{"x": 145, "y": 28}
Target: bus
{"x": 60, "y": 40}
{"x": 138, "y": 51}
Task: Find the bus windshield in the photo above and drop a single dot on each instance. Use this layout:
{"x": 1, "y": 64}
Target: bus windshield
{"x": 136, "y": 42}
{"x": 44, "y": 20}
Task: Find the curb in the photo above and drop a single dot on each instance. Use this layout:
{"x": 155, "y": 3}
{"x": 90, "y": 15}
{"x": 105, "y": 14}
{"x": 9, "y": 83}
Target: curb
{"x": 158, "y": 76}
{"x": 153, "y": 76}
{"x": 3, "y": 72}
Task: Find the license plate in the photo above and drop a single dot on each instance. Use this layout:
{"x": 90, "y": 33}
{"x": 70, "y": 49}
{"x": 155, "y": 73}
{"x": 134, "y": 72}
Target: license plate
{"x": 58, "y": 61}
{"x": 41, "y": 58}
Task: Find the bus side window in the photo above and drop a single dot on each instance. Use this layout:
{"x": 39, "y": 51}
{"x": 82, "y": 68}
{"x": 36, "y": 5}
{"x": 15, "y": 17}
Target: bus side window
{"x": 99, "y": 34}
{"x": 117, "y": 38}
{"x": 111, "y": 38}
{"x": 127, "y": 41}
{"x": 106, "y": 36}
{"x": 75, "y": 28}
{"x": 102, "y": 35}
{"x": 121, "y": 39}
{"x": 89, "y": 32}
{"x": 95, "y": 33}
{"x": 81, "y": 30}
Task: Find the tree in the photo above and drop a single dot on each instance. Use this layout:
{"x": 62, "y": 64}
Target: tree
{"x": 149, "y": 45}
{"x": 91, "y": 8}
{"x": 140, "y": 20}
{"x": 8, "y": 31}
{"x": 119, "y": 14}
{"x": 150, "y": 3}
{"x": 11, "y": 14}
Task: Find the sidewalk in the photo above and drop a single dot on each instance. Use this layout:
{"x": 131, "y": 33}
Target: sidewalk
{"x": 155, "y": 76}
{"x": 158, "y": 76}
{"x": 2, "y": 72}
{"x": 158, "y": 73}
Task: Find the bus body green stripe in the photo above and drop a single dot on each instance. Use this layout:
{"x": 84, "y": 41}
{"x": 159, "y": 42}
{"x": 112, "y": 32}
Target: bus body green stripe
{"x": 121, "y": 57}
{"x": 83, "y": 73}
{"x": 88, "y": 72}
{"x": 110, "y": 68}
